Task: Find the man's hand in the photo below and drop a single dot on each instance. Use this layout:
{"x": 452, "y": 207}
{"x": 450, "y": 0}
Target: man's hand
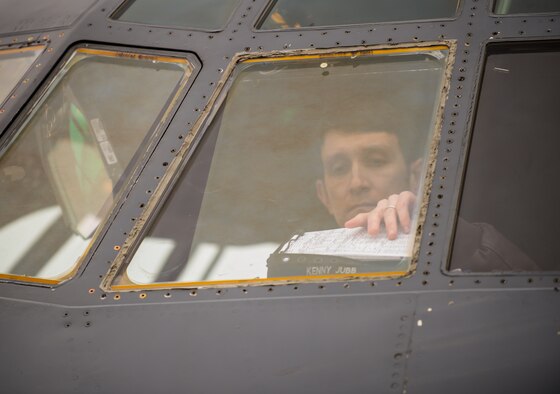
{"x": 391, "y": 211}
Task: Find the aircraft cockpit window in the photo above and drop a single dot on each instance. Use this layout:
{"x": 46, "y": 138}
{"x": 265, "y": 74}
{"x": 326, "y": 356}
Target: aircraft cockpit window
{"x": 509, "y": 205}
{"x": 14, "y": 63}
{"x": 293, "y": 14}
{"x": 61, "y": 170}
{"x": 505, "y": 7}
{"x": 192, "y": 14}
{"x": 314, "y": 168}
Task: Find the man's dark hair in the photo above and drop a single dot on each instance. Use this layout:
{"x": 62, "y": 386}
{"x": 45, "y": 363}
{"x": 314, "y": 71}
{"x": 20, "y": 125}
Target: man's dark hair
{"x": 377, "y": 116}
{"x": 364, "y": 114}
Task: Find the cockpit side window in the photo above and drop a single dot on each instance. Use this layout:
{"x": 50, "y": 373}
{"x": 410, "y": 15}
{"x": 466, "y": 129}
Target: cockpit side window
{"x": 39, "y": 16}
{"x": 62, "y": 169}
{"x": 505, "y": 7}
{"x": 14, "y": 63}
{"x": 303, "y": 150}
{"x": 509, "y": 205}
{"x": 294, "y": 14}
{"x": 193, "y": 14}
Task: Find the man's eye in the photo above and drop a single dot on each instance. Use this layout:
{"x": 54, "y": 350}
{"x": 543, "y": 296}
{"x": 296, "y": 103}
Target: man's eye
{"x": 377, "y": 161}
{"x": 338, "y": 169}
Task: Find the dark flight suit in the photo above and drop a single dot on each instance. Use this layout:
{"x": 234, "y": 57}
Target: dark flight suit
{"x": 479, "y": 247}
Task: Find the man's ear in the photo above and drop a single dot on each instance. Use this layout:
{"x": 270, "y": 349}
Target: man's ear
{"x": 322, "y": 194}
{"x": 415, "y": 171}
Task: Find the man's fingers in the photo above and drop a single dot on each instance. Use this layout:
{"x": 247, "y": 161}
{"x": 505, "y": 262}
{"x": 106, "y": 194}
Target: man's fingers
{"x": 404, "y": 218}
{"x": 375, "y": 218}
{"x": 390, "y": 212}
{"x": 390, "y": 217}
{"x": 405, "y": 202}
{"x": 360, "y": 220}
{"x": 404, "y": 215}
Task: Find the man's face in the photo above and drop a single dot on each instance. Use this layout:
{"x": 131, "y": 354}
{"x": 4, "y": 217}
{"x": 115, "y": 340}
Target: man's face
{"x": 359, "y": 169}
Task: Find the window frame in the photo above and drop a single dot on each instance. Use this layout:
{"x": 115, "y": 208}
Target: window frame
{"x": 138, "y": 161}
{"x": 182, "y": 159}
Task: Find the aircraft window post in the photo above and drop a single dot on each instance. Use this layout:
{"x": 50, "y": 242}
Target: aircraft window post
{"x": 301, "y": 146}
{"x": 295, "y": 14}
{"x": 14, "y": 63}
{"x": 62, "y": 169}
{"x": 512, "y": 165}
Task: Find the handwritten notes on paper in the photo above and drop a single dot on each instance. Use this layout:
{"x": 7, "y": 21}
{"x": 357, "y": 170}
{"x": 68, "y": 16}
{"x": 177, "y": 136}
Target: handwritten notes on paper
{"x": 353, "y": 243}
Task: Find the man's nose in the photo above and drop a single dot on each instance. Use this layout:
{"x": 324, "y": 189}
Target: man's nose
{"x": 359, "y": 180}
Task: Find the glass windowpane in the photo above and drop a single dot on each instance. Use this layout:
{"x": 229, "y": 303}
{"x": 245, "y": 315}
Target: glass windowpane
{"x": 504, "y": 7}
{"x": 301, "y": 146}
{"x": 508, "y": 214}
{"x": 18, "y": 16}
{"x": 14, "y": 63}
{"x": 289, "y": 14}
{"x": 193, "y": 14}
{"x": 60, "y": 174}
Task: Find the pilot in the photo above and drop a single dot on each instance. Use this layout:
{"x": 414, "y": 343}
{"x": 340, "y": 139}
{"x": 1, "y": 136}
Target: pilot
{"x": 370, "y": 178}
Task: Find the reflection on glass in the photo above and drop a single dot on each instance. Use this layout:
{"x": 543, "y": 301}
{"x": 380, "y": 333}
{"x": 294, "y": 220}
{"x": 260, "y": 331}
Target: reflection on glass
{"x": 301, "y": 146}
{"x": 508, "y": 214}
{"x": 503, "y": 7}
{"x": 14, "y": 63}
{"x": 39, "y": 16}
{"x": 193, "y": 14}
{"x": 289, "y": 14}
{"x": 59, "y": 175}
